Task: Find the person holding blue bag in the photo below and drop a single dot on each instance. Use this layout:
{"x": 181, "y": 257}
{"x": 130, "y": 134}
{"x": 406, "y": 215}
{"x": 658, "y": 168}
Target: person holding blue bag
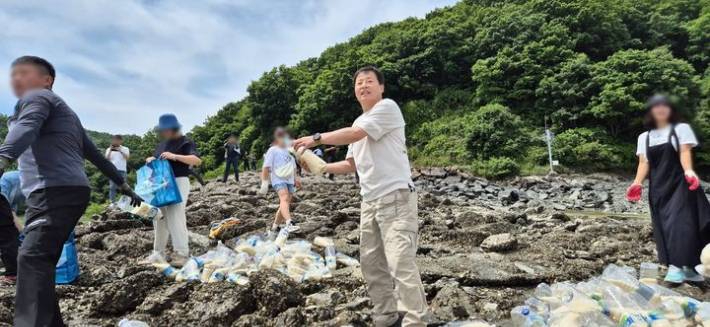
{"x": 50, "y": 145}
{"x": 181, "y": 153}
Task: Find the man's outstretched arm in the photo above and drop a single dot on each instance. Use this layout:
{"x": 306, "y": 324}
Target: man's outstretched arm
{"x": 343, "y": 136}
{"x": 346, "y": 166}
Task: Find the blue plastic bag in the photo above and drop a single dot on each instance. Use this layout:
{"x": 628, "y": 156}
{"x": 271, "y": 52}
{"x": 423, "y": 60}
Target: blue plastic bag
{"x": 156, "y": 184}
{"x": 68, "y": 265}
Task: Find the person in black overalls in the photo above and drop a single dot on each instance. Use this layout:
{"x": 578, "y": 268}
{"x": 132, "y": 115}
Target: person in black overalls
{"x": 680, "y": 211}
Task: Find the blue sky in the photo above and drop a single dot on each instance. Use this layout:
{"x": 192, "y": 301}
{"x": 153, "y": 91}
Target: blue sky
{"x": 120, "y": 64}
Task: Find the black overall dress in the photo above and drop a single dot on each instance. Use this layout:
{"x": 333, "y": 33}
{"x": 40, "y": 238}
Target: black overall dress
{"x": 681, "y": 217}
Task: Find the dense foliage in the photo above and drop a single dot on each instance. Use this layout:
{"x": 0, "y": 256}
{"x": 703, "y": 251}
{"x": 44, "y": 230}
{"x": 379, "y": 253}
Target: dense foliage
{"x": 476, "y": 81}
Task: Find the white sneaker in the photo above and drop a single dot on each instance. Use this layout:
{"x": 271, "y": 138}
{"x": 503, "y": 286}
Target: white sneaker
{"x": 291, "y": 227}
{"x": 153, "y": 258}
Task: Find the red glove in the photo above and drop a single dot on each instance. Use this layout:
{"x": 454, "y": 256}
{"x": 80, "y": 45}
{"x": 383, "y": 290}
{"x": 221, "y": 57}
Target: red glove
{"x": 633, "y": 193}
{"x": 692, "y": 179}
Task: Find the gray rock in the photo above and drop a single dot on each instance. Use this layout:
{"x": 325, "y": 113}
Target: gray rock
{"x": 500, "y": 242}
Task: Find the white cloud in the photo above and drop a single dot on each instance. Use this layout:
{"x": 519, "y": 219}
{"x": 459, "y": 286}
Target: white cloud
{"x": 123, "y": 63}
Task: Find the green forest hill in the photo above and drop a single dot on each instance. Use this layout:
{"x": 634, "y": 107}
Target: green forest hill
{"x": 476, "y": 80}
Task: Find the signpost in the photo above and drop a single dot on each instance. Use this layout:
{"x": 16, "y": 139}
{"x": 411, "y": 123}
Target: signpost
{"x": 549, "y": 136}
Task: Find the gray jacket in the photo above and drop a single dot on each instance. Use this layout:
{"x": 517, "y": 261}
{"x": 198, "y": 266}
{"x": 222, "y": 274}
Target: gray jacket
{"x": 50, "y": 144}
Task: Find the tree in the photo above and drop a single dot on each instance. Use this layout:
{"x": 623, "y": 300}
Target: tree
{"x": 629, "y": 77}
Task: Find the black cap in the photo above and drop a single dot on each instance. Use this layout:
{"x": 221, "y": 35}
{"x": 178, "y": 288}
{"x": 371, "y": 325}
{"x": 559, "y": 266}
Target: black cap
{"x": 658, "y": 100}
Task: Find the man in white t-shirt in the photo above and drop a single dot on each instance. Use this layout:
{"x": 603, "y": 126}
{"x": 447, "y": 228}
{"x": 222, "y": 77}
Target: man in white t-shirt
{"x": 118, "y": 155}
{"x": 388, "y": 218}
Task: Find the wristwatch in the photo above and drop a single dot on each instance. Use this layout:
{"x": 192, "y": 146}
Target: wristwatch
{"x": 316, "y": 137}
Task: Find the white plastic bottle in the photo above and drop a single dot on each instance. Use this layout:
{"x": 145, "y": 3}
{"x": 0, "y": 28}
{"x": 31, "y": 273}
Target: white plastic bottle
{"x": 330, "y": 260}
{"x": 132, "y": 323}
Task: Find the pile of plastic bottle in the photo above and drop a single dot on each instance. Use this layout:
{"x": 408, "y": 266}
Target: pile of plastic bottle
{"x": 295, "y": 258}
{"x": 616, "y": 298}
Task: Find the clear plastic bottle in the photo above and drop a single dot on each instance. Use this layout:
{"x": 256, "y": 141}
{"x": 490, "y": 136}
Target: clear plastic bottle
{"x": 237, "y": 279}
{"x": 523, "y": 316}
{"x": 282, "y": 237}
{"x": 132, "y": 323}
{"x": 330, "y": 260}
{"x": 191, "y": 270}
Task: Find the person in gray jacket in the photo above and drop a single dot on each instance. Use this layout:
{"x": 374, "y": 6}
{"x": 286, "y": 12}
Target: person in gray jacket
{"x": 47, "y": 139}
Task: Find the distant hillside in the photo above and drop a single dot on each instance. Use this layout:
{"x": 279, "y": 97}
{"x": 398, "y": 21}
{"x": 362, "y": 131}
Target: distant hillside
{"x": 476, "y": 80}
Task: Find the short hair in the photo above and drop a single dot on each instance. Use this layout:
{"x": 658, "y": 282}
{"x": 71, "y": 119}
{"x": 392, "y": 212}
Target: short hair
{"x": 370, "y": 69}
{"x": 117, "y": 136}
{"x": 38, "y": 62}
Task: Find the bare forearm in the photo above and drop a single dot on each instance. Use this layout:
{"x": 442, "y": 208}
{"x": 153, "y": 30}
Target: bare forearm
{"x": 686, "y": 157}
{"x": 341, "y": 167}
{"x": 343, "y": 136}
{"x": 190, "y": 160}
{"x": 641, "y": 171}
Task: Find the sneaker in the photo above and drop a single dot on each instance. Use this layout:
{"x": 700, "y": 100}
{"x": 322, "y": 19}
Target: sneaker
{"x": 8, "y": 280}
{"x": 153, "y": 258}
{"x": 291, "y": 226}
{"x": 692, "y": 276}
{"x": 179, "y": 260}
{"x": 675, "y": 275}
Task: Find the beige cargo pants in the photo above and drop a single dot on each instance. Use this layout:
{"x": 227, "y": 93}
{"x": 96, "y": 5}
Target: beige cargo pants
{"x": 388, "y": 245}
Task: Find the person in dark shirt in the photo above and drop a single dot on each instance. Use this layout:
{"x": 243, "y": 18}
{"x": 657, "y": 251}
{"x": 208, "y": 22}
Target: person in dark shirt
{"x": 10, "y": 201}
{"x": 232, "y": 155}
{"x": 181, "y": 152}
{"x": 47, "y": 139}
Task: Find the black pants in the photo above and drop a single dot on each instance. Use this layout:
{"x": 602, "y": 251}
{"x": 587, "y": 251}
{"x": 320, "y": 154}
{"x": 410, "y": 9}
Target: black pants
{"x": 52, "y": 214}
{"x": 231, "y": 162}
{"x": 8, "y": 238}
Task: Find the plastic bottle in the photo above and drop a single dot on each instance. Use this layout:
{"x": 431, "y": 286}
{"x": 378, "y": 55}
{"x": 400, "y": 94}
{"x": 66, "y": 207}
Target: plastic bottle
{"x": 703, "y": 314}
{"x": 124, "y": 204}
{"x": 166, "y": 269}
{"x": 347, "y": 260}
{"x": 523, "y": 316}
{"x": 648, "y": 273}
{"x": 191, "y": 270}
{"x": 330, "y": 260}
{"x": 282, "y": 237}
{"x": 132, "y": 323}
{"x": 315, "y": 164}
{"x": 539, "y": 307}
{"x": 237, "y": 279}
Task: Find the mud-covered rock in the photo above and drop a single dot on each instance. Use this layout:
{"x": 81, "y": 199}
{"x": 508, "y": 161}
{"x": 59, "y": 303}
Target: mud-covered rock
{"x": 452, "y": 303}
{"x": 125, "y": 294}
{"x": 458, "y": 212}
{"x": 275, "y": 292}
{"x": 499, "y": 242}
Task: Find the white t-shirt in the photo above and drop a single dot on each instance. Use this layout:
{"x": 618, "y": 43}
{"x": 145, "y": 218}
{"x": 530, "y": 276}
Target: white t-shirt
{"x": 381, "y": 157}
{"x": 277, "y": 159}
{"x": 659, "y": 136}
{"x": 116, "y": 158}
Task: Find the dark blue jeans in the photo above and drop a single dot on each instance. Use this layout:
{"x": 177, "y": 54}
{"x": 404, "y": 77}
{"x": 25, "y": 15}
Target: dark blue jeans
{"x": 231, "y": 162}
